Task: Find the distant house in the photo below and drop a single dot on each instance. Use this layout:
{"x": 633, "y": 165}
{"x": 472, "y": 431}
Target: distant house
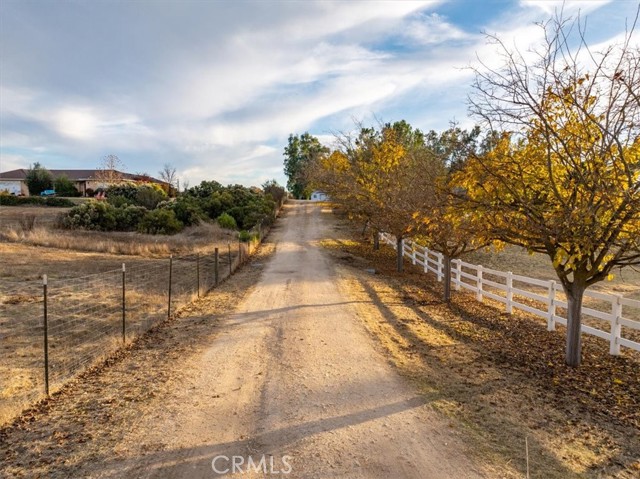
{"x": 84, "y": 180}
{"x": 319, "y": 196}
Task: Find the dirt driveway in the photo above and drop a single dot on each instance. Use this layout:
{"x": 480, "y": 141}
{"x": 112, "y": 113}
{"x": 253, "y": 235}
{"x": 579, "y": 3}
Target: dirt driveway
{"x": 290, "y": 384}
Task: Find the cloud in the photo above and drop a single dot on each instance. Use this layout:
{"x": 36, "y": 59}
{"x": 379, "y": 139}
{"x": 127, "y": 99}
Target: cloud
{"x": 429, "y": 29}
{"x": 551, "y": 7}
{"x": 216, "y": 87}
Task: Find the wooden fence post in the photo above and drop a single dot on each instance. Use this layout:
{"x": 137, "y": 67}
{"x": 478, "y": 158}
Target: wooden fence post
{"x": 479, "y": 296}
{"x": 198, "y": 273}
{"x": 46, "y": 334}
{"x": 440, "y": 266}
{"x": 170, "y": 281}
{"x": 458, "y": 274}
{"x": 616, "y": 327}
{"x": 216, "y": 259}
{"x": 124, "y": 304}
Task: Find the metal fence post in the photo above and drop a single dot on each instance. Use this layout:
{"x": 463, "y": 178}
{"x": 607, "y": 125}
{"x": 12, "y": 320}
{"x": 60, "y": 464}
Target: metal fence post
{"x": 46, "y": 335}
{"x": 124, "y": 303}
{"x": 216, "y": 256}
{"x": 170, "y": 274}
{"x": 198, "y": 272}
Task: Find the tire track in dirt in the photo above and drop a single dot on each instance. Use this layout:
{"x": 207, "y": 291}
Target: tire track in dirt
{"x": 294, "y": 378}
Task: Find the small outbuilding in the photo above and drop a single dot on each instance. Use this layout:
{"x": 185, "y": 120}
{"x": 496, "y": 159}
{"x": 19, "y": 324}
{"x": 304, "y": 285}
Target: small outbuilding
{"x": 319, "y": 196}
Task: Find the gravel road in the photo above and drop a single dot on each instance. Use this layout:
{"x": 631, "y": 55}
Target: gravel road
{"x": 293, "y": 386}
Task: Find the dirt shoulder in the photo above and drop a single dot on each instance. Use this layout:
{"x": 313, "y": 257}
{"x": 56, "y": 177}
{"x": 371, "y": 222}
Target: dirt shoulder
{"x": 501, "y": 376}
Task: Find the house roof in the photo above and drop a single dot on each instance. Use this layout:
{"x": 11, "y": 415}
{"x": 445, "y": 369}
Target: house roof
{"x": 76, "y": 175}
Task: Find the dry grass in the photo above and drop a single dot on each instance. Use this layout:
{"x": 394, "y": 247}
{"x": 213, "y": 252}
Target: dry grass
{"x": 11, "y": 216}
{"x": 84, "y": 297}
{"x": 503, "y": 376}
{"x": 198, "y": 239}
{"x": 103, "y": 405}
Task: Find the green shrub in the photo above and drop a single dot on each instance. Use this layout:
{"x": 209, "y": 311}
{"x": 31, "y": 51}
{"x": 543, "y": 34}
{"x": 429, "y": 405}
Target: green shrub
{"x": 227, "y": 221}
{"x": 246, "y": 236}
{"x": 124, "y": 190}
{"x": 93, "y": 215}
{"x": 64, "y": 187}
{"x": 149, "y": 197}
{"x": 128, "y": 217}
{"x": 119, "y": 201}
{"x": 187, "y": 210}
{"x": 10, "y": 200}
{"x": 160, "y": 221}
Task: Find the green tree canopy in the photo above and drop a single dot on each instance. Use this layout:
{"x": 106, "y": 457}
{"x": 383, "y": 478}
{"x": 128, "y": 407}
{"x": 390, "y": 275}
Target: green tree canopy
{"x": 38, "y": 179}
{"x": 301, "y": 152}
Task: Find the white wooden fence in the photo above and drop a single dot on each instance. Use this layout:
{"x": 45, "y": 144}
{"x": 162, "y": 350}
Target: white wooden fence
{"x": 508, "y": 288}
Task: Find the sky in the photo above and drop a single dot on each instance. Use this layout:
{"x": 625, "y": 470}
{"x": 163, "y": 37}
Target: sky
{"x": 215, "y": 88}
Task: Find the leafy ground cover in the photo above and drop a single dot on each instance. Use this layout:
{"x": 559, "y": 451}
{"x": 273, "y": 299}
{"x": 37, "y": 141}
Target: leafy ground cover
{"x": 502, "y": 375}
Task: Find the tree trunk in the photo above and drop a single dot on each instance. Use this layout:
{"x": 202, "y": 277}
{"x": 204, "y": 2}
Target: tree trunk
{"x": 376, "y": 240}
{"x": 400, "y": 254}
{"x": 574, "y": 322}
{"x": 447, "y": 278}
{"x": 364, "y": 228}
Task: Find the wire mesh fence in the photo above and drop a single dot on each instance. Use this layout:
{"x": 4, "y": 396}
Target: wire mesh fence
{"x": 53, "y": 329}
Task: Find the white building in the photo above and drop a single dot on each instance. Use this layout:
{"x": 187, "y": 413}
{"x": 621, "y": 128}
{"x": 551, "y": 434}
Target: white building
{"x": 319, "y": 196}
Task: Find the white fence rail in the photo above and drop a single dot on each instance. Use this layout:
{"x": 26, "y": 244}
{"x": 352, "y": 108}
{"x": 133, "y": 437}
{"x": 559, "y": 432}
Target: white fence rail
{"x": 545, "y": 296}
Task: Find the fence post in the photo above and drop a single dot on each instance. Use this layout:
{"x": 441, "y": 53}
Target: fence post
{"x": 509, "y": 292}
{"x": 124, "y": 303}
{"x": 551, "y": 322}
{"x": 170, "y": 274}
{"x": 216, "y": 257}
{"x": 46, "y": 335}
{"x": 198, "y": 272}
{"x": 458, "y": 274}
{"x": 413, "y": 253}
{"x": 439, "y": 257}
{"x": 616, "y": 327}
{"x": 479, "y": 283}
{"x": 230, "y": 266}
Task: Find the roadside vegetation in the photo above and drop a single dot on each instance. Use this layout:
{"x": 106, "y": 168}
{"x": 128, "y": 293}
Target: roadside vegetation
{"x": 553, "y": 167}
{"x": 501, "y": 376}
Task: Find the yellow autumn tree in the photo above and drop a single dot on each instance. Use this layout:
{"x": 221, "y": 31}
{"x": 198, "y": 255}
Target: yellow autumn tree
{"x": 563, "y": 179}
{"x": 448, "y": 227}
{"x": 382, "y": 177}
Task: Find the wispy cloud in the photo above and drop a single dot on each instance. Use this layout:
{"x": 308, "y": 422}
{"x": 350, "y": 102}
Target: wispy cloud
{"x": 216, "y": 87}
